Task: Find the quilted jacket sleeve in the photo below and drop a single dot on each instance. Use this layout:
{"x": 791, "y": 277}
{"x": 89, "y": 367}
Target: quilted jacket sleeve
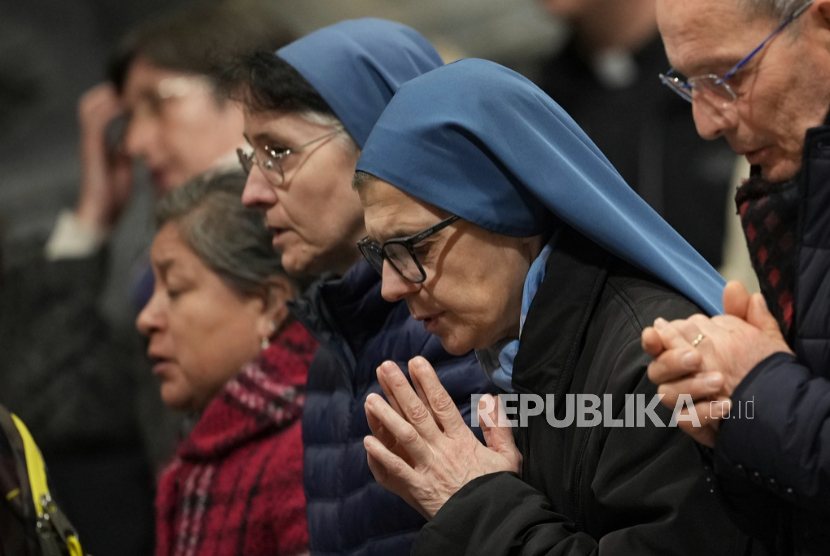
{"x": 63, "y": 369}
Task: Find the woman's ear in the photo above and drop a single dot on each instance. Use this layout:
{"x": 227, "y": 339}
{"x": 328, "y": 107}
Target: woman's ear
{"x": 275, "y": 311}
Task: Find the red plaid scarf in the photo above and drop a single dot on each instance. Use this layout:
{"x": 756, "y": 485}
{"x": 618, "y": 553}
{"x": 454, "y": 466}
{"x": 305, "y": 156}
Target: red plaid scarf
{"x": 235, "y": 486}
{"x": 769, "y": 215}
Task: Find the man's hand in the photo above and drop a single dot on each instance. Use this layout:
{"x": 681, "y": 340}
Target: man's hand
{"x": 421, "y": 448}
{"x": 728, "y": 347}
{"x": 106, "y": 173}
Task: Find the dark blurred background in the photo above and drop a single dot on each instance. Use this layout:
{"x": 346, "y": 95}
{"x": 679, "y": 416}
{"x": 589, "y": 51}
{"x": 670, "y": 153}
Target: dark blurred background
{"x": 51, "y": 51}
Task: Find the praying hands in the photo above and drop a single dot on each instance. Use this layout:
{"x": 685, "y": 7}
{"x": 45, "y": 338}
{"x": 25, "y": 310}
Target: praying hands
{"x": 421, "y": 448}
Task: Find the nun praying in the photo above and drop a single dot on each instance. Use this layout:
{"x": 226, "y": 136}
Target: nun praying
{"x": 508, "y": 232}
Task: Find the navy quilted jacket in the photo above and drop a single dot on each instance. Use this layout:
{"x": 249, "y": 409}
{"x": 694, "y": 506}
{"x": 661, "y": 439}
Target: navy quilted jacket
{"x": 774, "y": 462}
{"x": 348, "y": 512}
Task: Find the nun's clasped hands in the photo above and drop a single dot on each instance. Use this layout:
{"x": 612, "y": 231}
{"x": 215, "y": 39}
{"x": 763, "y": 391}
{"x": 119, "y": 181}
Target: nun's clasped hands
{"x": 421, "y": 448}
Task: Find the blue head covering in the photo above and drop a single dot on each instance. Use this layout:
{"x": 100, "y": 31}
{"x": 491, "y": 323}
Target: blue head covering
{"x": 357, "y": 65}
{"x": 481, "y": 141}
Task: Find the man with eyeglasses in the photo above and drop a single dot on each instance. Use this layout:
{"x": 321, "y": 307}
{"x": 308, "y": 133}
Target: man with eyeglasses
{"x": 308, "y": 111}
{"x": 758, "y": 74}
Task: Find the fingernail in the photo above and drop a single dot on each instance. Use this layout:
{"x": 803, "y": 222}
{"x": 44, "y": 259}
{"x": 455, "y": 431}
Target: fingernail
{"x": 713, "y": 380}
{"x": 660, "y": 323}
{"x": 386, "y": 368}
{"x": 689, "y": 360}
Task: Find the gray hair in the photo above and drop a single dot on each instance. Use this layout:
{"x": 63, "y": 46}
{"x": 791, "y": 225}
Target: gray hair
{"x": 327, "y": 120}
{"x": 228, "y": 237}
{"x": 777, "y": 9}
{"x": 360, "y": 179}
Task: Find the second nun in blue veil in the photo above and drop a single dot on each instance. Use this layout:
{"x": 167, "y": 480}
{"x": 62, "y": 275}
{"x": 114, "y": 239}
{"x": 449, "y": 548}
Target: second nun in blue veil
{"x": 309, "y": 109}
{"x": 508, "y": 232}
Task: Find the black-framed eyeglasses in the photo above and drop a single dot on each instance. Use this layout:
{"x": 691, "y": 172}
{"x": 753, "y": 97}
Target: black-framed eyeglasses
{"x": 400, "y": 252}
{"x": 271, "y": 162}
{"x": 715, "y": 84}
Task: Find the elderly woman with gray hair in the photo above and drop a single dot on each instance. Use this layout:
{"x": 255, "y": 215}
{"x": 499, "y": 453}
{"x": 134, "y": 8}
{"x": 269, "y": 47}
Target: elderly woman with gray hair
{"x": 224, "y": 345}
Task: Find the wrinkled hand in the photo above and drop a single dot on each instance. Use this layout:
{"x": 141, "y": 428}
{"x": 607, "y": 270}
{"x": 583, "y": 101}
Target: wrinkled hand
{"x": 421, "y": 448}
{"x": 732, "y": 345}
{"x": 106, "y": 174}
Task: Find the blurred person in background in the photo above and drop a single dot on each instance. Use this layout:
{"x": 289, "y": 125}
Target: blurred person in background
{"x": 162, "y": 102}
{"x": 308, "y": 110}
{"x": 225, "y": 346}
{"x": 604, "y": 78}
{"x": 78, "y": 379}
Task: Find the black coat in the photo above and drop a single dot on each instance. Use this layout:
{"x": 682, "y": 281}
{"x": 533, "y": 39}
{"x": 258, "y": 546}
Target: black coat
{"x": 614, "y": 491}
{"x": 773, "y": 463}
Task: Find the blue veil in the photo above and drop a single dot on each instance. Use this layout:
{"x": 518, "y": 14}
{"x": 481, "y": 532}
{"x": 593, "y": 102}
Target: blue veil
{"x": 481, "y": 141}
{"x": 357, "y": 65}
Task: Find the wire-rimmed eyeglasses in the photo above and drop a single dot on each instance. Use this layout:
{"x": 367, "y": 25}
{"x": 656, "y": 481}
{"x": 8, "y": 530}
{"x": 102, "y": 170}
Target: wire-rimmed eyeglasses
{"x": 271, "y": 162}
{"x": 400, "y": 252}
{"x": 715, "y": 84}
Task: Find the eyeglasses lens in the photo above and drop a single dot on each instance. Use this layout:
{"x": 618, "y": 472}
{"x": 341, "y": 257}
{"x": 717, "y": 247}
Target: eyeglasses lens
{"x": 678, "y": 86}
{"x": 372, "y": 252}
{"x": 713, "y": 84}
{"x": 245, "y": 160}
{"x": 402, "y": 259}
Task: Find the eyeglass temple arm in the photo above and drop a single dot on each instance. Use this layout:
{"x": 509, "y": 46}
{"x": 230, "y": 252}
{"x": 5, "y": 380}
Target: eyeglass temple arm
{"x": 433, "y": 229}
{"x": 749, "y": 56}
{"x": 286, "y": 152}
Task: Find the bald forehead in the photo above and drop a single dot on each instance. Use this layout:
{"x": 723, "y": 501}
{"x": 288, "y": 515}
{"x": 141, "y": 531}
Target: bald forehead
{"x": 680, "y": 20}
{"x": 700, "y": 34}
